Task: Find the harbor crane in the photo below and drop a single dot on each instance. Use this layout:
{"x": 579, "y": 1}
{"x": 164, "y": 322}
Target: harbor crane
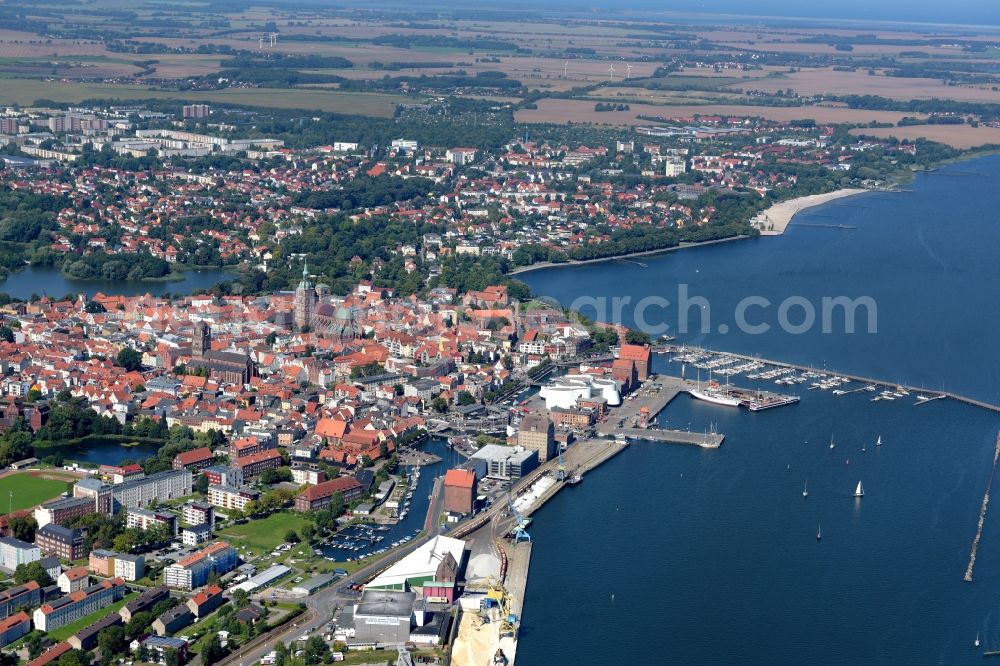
{"x": 520, "y": 523}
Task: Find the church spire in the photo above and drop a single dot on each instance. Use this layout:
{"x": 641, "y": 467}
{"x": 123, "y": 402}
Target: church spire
{"x": 304, "y": 285}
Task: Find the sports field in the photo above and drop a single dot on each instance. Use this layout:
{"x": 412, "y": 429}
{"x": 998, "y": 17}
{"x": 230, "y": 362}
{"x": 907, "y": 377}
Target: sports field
{"x": 28, "y": 490}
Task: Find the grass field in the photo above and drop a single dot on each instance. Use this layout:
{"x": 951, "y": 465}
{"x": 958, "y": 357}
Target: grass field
{"x": 63, "y": 633}
{"x": 264, "y": 534}
{"x": 28, "y": 490}
{"x": 26, "y": 91}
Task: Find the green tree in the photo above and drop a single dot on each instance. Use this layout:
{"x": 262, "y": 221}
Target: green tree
{"x": 439, "y": 404}
{"x": 129, "y": 359}
{"x": 112, "y": 641}
{"x": 74, "y": 658}
{"x": 32, "y": 571}
{"x": 213, "y": 651}
{"x": 34, "y": 644}
{"x": 240, "y": 598}
{"x": 23, "y": 528}
{"x": 6, "y": 334}
{"x": 138, "y": 624}
{"x": 466, "y": 398}
{"x": 367, "y": 370}
{"x": 316, "y": 650}
{"x": 291, "y": 536}
{"x": 337, "y": 505}
{"x": 634, "y": 337}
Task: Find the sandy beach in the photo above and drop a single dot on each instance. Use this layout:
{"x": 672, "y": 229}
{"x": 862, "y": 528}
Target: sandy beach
{"x": 774, "y": 220}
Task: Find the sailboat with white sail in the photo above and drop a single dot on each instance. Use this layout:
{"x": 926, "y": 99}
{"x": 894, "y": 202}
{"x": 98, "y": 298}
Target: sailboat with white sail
{"x": 859, "y": 491}
{"x": 805, "y": 489}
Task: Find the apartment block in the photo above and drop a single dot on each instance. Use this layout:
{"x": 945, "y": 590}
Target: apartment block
{"x": 193, "y": 571}
{"x": 79, "y": 604}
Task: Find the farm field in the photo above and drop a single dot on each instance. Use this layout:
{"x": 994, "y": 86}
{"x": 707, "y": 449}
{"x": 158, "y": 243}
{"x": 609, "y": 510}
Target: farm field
{"x": 825, "y": 80}
{"x": 26, "y": 91}
{"x": 579, "y": 111}
{"x": 957, "y": 136}
{"x": 28, "y": 490}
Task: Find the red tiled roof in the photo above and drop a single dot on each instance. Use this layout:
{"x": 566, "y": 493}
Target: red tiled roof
{"x": 258, "y": 457}
{"x": 634, "y": 352}
{"x": 339, "y": 485}
{"x": 195, "y": 456}
{"x": 460, "y": 478}
{"x": 51, "y": 655}
{"x": 208, "y": 593}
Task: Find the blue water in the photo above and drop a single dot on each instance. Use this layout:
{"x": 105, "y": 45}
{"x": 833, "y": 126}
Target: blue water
{"x": 926, "y": 258}
{"x": 711, "y": 555}
{"x": 49, "y": 281}
{"x": 415, "y": 517}
{"x": 109, "y": 454}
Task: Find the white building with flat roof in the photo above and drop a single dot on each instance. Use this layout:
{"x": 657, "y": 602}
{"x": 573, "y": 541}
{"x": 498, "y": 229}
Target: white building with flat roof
{"x": 14, "y": 552}
{"x": 566, "y": 391}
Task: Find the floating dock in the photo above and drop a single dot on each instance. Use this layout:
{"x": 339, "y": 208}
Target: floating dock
{"x": 931, "y": 393}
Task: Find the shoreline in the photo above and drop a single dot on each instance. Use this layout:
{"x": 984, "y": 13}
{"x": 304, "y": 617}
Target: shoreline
{"x": 774, "y": 220}
{"x": 779, "y": 215}
{"x": 645, "y": 253}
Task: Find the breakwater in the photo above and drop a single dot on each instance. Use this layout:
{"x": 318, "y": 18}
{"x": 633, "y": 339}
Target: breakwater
{"x": 982, "y": 514}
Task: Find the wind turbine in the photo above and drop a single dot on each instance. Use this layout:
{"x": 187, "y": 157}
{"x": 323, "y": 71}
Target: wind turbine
{"x": 611, "y": 72}
{"x": 628, "y": 71}
{"x": 565, "y": 68}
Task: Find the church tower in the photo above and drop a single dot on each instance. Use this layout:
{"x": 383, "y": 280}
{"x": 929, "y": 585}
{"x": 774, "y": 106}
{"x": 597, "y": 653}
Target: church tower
{"x": 202, "y": 340}
{"x": 304, "y": 300}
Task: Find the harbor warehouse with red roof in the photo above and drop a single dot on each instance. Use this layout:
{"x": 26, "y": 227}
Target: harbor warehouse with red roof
{"x": 459, "y": 490}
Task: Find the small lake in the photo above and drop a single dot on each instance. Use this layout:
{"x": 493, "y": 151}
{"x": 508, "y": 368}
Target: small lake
{"x": 49, "y": 281}
{"x": 104, "y": 453}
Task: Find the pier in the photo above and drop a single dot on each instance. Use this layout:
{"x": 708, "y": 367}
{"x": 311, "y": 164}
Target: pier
{"x": 706, "y": 440}
{"x": 647, "y": 402}
{"x": 982, "y": 513}
{"x": 935, "y": 394}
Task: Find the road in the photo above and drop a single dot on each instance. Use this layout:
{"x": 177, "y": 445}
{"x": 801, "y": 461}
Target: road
{"x": 321, "y": 606}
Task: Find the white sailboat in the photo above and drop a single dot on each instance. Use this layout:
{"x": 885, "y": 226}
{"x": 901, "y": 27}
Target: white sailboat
{"x": 977, "y": 640}
{"x": 819, "y": 532}
{"x": 831, "y": 441}
{"x": 805, "y": 489}
{"x": 859, "y": 491}
{"x": 878, "y": 442}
